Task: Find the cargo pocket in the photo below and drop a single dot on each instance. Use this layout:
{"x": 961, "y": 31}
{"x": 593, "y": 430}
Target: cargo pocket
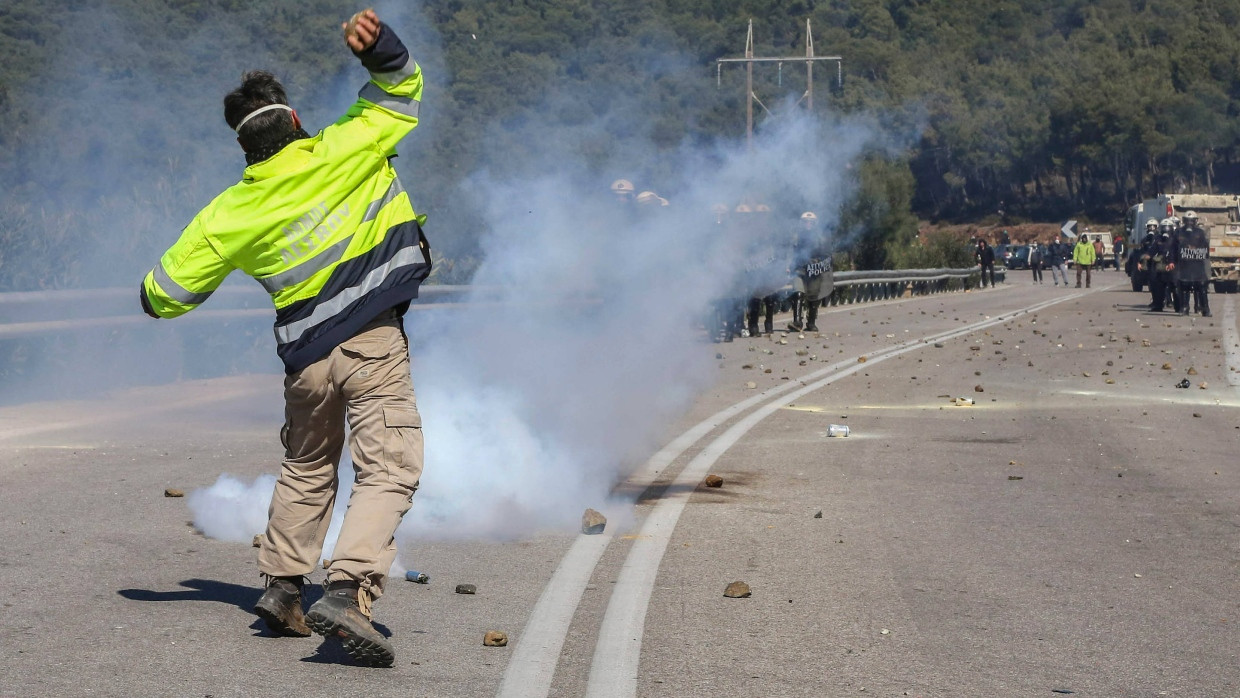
{"x": 371, "y": 345}
{"x": 402, "y": 444}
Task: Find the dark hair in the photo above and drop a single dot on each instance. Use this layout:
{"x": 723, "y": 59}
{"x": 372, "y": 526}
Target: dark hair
{"x": 269, "y": 131}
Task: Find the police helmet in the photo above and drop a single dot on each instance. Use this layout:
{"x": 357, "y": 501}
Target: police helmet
{"x": 1167, "y": 223}
{"x": 1151, "y": 223}
{"x": 1175, "y": 221}
{"x": 622, "y": 187}
{"x": 744, "y": 208}
{"x": 809, "y": 216}
{"x": 647, "y": 197}
{"x": 1191, "y": 216}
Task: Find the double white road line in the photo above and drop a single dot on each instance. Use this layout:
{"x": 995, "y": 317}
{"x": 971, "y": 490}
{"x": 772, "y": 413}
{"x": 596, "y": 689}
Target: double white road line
{"x": 613, "y": 672}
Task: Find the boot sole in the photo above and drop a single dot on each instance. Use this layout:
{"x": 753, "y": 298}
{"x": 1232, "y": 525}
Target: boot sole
{"x": 364, "y": 651}
{"x": 277, "y": 624}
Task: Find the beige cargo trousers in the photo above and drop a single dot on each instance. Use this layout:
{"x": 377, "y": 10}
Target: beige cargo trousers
{"x": 365, "y": 380}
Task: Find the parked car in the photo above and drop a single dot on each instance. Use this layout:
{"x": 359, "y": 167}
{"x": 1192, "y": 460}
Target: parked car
{"x": 1018, "y": 257}
{"x": 1002, "y": 252}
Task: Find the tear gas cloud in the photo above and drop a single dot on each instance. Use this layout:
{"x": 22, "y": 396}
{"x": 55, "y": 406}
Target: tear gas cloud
{"x": 583, "y": 341}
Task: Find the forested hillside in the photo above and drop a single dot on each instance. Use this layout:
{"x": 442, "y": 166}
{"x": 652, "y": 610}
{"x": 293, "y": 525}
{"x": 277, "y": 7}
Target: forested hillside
{"x": 111, "y": 127}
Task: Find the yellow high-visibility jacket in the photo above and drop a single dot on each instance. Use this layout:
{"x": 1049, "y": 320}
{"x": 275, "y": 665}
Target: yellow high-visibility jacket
{"x": 1083, "y": 254}
{"x": 324, "y": 225}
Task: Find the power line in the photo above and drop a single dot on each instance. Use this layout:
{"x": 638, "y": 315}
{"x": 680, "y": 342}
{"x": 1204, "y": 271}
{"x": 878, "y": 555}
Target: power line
{"x": 750, "y": 59}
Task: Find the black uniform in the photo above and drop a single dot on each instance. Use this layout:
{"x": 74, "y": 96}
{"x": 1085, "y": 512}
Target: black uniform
{"x": 986, "y": 257}
{"x": 813, "y": 264}
{"x": 765, "y": 272}
{"x": 1157, "y": 258}
{"x": 1191, "y": 255}
{"x": 1136, "y": 266}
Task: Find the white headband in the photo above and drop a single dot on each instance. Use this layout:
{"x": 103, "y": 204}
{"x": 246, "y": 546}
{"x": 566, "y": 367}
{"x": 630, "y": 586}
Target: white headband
{"x": 258, "y": 111}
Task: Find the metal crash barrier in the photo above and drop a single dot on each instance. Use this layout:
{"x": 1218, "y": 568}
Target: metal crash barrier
{"x": 46, "y": 313}
{"x": 864, "y": 286}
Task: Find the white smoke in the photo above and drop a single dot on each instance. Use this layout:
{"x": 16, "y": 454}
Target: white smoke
{"x": 584, "y": 340}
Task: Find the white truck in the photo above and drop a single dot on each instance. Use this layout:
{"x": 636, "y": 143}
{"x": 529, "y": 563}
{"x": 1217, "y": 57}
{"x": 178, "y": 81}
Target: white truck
{"x": 1106, "y": 259}
{"x": 1218, "y": 214}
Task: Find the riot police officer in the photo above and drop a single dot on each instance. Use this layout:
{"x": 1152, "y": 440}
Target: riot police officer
{"x": 1191, "y": 257}
{"x": 813, "y": 265}
{"x": 1158, "y": 261}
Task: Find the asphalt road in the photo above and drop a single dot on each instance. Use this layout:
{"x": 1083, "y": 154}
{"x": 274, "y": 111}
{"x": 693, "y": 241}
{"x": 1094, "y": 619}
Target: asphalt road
{"x": 1073, "y": 530}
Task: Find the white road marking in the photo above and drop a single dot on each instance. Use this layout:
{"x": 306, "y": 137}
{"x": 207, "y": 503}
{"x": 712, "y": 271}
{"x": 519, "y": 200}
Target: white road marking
{"x": 614, "y": 669}
{"x": 532, "y": 665}
{"x": 536, "y": 654}
{"x": 1231, "y": 342}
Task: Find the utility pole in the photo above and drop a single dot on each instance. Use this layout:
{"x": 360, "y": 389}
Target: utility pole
{"x": 809, "y": 67}
{"x": 748, "y": 86}
{"x": 750, "y": 59}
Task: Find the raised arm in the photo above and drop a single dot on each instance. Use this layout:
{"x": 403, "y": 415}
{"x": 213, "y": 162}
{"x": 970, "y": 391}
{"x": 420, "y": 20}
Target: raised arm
{"x": 388, "y": 106}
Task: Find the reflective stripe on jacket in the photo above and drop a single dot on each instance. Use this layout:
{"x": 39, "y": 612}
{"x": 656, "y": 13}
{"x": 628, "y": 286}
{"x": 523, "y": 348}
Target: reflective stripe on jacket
{"x": 324, "y": 225}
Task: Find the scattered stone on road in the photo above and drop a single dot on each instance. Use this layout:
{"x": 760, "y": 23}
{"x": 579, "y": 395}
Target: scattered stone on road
{"x": 173, "y": 493}
{"x": 495, "y": 638}
{"x": 737, "y": 590}
{"x": 592, "y": 522}
{"x": 1166, "y": 367}
{"x": 978, "y": 389}
{"x": 1192, "y": 371}
{"x": 818, "y": 515}
{"x": 862, "y": 359}
{"x": 713, "y": 481}
{"x": 751, "y": 385}
{"x": 1016, "y": 477}
{"x": 466, "y": 589}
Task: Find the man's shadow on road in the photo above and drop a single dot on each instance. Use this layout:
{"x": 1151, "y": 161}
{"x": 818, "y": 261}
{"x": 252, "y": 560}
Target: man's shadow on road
{"x": 1143, "y": 308}
{"x": 243, "y": 597}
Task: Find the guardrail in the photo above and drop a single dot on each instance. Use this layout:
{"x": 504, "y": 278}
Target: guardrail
{"x": 862, "y": 286}
{"x": 46, "y": 313}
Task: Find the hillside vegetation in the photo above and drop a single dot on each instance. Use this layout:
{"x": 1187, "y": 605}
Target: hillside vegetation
{"x": 111, "y": 133}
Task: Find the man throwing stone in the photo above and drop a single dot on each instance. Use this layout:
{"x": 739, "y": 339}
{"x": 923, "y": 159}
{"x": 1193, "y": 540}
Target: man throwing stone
{"x": 324, "y": 225}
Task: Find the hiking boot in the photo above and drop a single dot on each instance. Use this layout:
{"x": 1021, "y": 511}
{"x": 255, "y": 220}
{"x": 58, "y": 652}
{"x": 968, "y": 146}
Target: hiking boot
{"x": 280, "y": 607}
{"x": 338, "y": 615}
{"x": 811, "y": 328}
